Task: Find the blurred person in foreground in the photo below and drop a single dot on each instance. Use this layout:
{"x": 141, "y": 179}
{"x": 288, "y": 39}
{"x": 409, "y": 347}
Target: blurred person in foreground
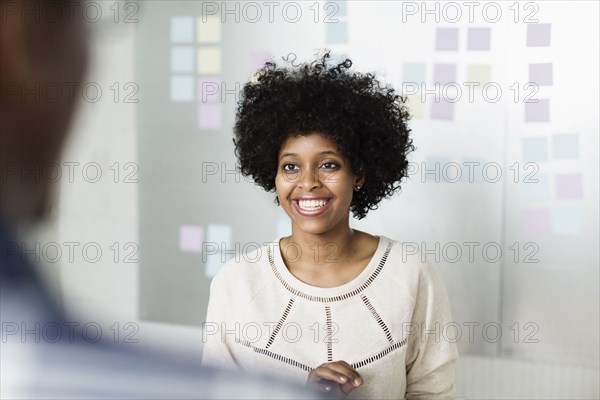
{"x": 37, "y": 51}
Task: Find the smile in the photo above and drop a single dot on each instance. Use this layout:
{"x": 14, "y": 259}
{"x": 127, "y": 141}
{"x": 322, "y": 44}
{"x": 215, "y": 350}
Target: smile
{"x": 311, "y": 207}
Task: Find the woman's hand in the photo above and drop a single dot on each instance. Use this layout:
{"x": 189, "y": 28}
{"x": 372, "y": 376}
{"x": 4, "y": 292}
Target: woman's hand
{"x": 336, "y": 377}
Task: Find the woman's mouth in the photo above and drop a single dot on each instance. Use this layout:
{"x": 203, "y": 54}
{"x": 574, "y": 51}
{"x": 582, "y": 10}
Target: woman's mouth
{"x": 311, "y": 208}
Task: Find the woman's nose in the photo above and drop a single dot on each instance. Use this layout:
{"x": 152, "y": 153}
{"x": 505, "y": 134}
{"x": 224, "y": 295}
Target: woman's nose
{"x": 309, "y": 179}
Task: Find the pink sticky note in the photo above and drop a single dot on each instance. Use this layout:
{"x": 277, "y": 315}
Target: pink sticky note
{"x": 442, "y": 110}
{"x": 538, "y": 35}
{"x": 210, "y": 116}
{"x": 257, "y": 60}
{"x": 541, "y": 74}
{"x": 537, "y": 221}
{"x": 478, "y": 38}
{"x": 569, "y": 187}
{"x": 446, "y": 39}
{"x": 538, "y": 112}
{"x": 191, "y": 238}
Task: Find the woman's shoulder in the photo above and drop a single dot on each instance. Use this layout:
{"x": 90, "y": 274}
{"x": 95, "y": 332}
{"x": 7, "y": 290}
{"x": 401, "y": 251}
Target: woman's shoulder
{"x": 246, "y": 267}
{"x": 409, "y": 256}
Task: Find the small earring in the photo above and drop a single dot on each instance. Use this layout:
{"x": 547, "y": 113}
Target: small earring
{"x": 357, "y": 187}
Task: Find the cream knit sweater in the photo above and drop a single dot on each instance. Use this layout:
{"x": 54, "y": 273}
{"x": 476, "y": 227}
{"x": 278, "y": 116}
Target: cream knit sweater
{"x": 390, "y": 323}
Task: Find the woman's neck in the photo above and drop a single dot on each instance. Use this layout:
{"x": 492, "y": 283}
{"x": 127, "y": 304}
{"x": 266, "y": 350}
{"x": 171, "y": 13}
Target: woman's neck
{"x": 329, "y": 249}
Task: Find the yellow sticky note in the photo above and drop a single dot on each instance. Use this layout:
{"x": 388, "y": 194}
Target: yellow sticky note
{"x": 415, "y": 106}
{"x": 209, "y": 60}
{"x": 479, "y": 73}
{"x": 208, "y": 29}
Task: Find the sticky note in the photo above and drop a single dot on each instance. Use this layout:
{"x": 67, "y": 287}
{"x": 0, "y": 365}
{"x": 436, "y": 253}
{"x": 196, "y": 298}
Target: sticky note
{"x": 446, "y": 39}
{"x": 213, "y": 264}
{"x": 219, "y": 246}
{"x": 538, "y": 35}
{"x": 478, "y": 39}
{"x": 443, "y": 109}
{"x": 535, "y": 191}
{"x": 537, "y": 221}
{"x": 433, "y": 169}
{"x": 182, "y": 88}
{"x": 209, "y": 60}
{"x": 182, "y": 59}
{"x": 208, "y": 89}
{"x": 479, "y": 73}
{"x": 341, "y": 11}
{"x": 541, "y": 74}
{"x": 257, "y": 60}
{"x": 569, "y": 186}
{"x": 444, "y": 73}
{"x": 567, "y": 220}
{"x": 208, "y": 29}
{"x": 415, "y": 106}
{"x": 472, "y": 170}
{"x": 182, "y": 29}
{"x": 414, "y": 73}
{"x": 210, "y": 116}
{"x": 336, "y": 32}
{"x": 565, "y": 146}
{"x": 534, "y": 149}
{"x": 191, "y": 238}
{"x": 538, "y": 112}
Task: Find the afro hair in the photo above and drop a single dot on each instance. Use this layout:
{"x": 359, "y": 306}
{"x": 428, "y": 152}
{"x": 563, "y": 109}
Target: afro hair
{"x": 365, "y": 119}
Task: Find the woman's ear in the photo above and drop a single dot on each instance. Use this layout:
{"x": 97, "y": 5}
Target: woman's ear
{"x": 359, "y": 181}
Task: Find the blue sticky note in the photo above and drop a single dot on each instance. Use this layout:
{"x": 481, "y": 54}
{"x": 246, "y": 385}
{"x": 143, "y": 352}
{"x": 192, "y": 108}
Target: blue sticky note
{"x": 565, "y": 146}
{"x": 472, "y": 170}
{"x": 336, "y": 32}
{"x": 534, "y": 149}
{"x": 567, "y": 220}
{"x": 182, "y": 88}
{"x": 340, "y": 10}
{"x": 433, "y": 169}
{"x": 538, "y": 112}
{"x": 182, "y": 59}
{"x": 182, "y": 29}
{"x": 218, "y": 247}
{"x": 414, "y": 73}
{"x": 535, "y": 191}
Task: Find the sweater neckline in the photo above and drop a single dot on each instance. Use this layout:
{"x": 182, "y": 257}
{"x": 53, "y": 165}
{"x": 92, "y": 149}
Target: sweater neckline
{"x": 337, "y": 293}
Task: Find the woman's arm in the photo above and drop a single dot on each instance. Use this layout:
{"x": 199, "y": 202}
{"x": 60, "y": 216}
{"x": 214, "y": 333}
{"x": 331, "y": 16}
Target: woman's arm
{"x": 216, "y": 352}
{"x": 431, "y": 357}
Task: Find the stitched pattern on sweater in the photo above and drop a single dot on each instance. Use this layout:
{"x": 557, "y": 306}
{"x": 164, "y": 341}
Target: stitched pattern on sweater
{"x": 280, "y": 323}
{"x": 332, "y": 298}
{"x": 329, "y": 333}
{"x": 275, "y": 356}
{"x": 377, "y": 318}
{"x": 379, "y": 355}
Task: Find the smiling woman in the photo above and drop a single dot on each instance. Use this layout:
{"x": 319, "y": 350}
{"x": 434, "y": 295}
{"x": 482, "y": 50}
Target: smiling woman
{"x": 345, "y": 311}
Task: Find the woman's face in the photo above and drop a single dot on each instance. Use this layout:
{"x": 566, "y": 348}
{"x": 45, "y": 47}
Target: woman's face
{"x": 314, "y": 183}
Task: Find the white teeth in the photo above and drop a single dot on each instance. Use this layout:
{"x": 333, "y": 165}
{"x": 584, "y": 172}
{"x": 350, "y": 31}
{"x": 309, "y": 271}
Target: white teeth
{"x": 311, "y": 205}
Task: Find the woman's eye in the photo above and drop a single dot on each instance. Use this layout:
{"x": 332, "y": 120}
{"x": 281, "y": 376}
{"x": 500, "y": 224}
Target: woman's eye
{"x": 289, "y": 167}
{"x": 330, "y": 165}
